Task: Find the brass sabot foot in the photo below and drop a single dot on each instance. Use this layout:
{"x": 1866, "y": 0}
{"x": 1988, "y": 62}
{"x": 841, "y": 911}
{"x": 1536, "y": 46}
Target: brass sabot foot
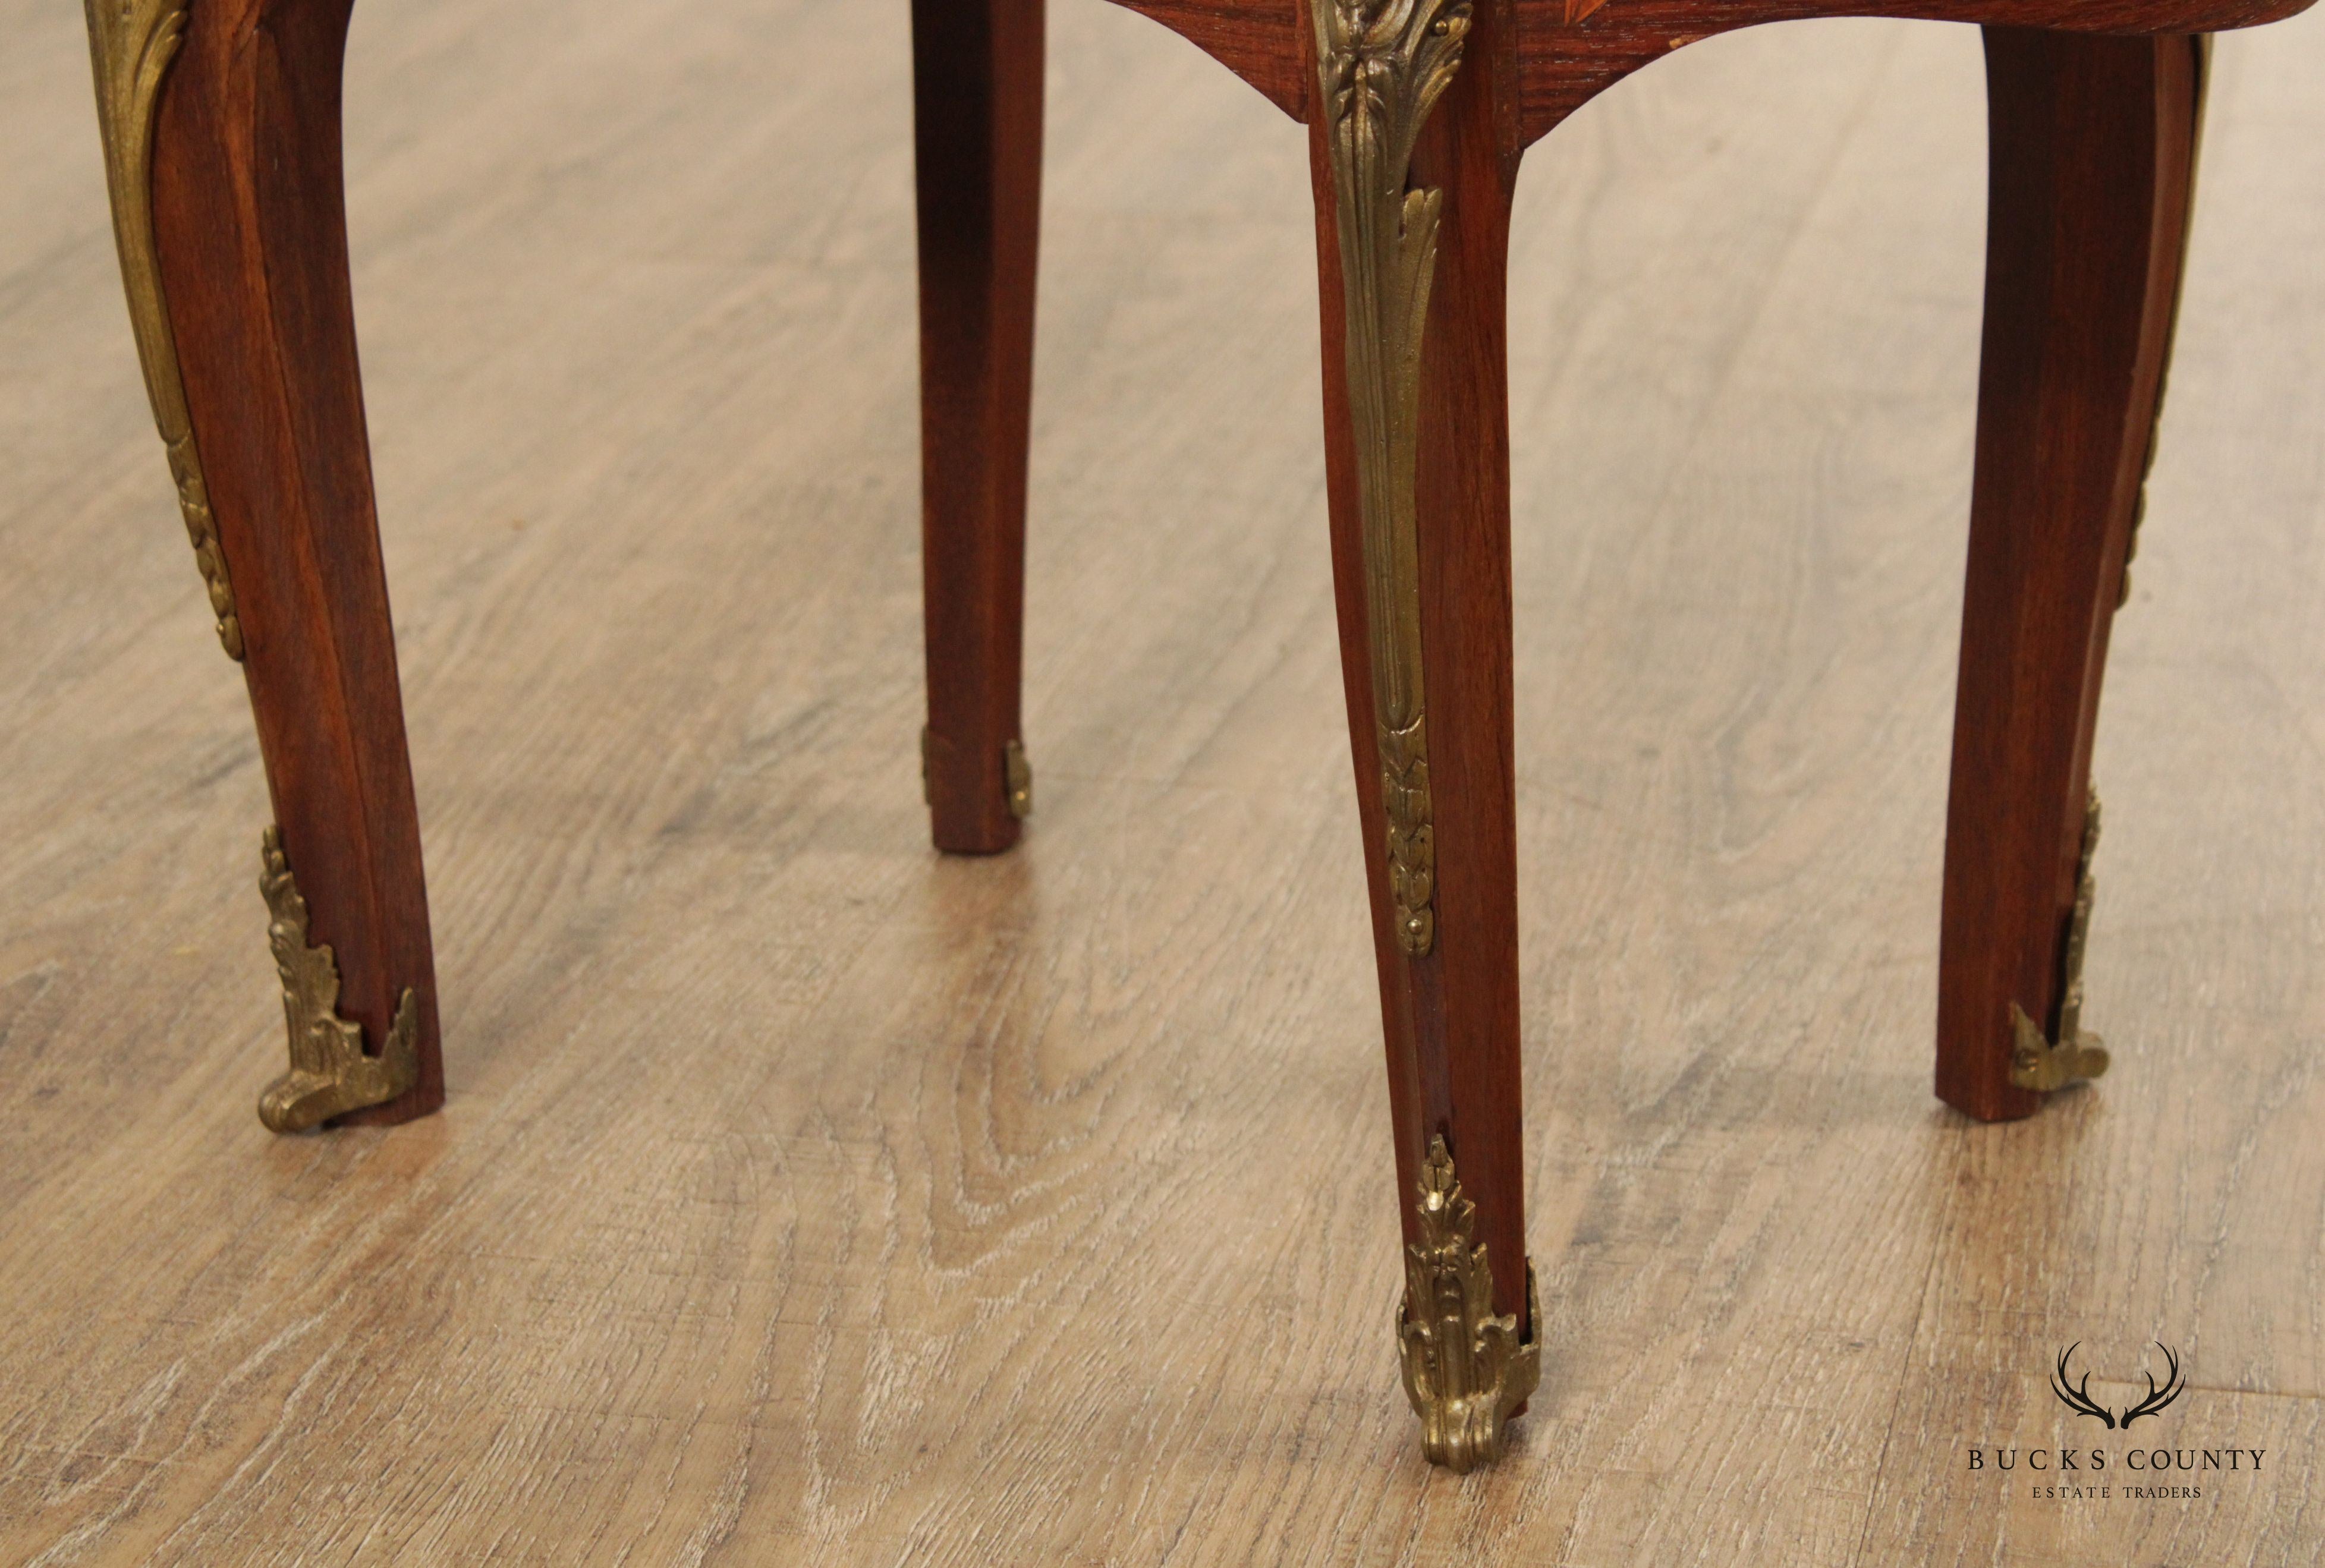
{"x": 329, "y": 1073}
{"x": 1017, "y": 773}
{"x": 2036, "y": 1061}
{"x": 1465, "y": 1368}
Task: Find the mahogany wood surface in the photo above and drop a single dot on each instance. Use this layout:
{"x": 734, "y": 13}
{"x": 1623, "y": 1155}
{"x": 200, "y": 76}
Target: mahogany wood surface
{"x": 976, "y": 95}
{"x": 1563, "y": 66}
{"x": 1565, "y": 52}
{"x": 2093, "y": 153}
{"x": 250, "y": 221}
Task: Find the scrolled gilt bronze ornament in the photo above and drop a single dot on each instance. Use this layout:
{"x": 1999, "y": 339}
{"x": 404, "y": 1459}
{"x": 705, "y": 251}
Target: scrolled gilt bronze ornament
{"x": 2036, "y": 1062}
{"x": 1381, "y": 66}
{"x": 132, "y": 44}
{"x": 1465, "y": 1368}
{"x": 329, "y": 1073}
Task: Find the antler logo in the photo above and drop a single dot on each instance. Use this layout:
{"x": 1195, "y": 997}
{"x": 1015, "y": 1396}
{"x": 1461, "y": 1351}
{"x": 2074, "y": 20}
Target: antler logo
{"x": 2076, "y": 1396}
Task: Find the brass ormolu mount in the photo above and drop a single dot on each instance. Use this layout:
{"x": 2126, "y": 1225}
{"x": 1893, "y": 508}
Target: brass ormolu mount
{"x": 1465, "y": 1368}
{"x": 132, "y": 44}
{"x": 330, "y": 1074}
{"x": 1382, "y": 65}
{"x": 1016, "y": 775}
{"x": 2036, "y": 1062}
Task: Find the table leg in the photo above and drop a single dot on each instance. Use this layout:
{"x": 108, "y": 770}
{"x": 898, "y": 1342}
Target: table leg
{"x": 1414, "y": 258}
{"x": 2093, "y": 153}
{"x": 976, "y": 73}
{"x": 221, "y": 120}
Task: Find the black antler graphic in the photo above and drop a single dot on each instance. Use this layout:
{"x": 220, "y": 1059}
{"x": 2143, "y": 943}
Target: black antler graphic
{"x": 2077, "y": 1396}
{"x": 2157, "y": 1397}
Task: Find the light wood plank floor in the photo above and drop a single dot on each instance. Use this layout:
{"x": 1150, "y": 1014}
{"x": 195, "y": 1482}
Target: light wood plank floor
{"x": 804, "y": 1197}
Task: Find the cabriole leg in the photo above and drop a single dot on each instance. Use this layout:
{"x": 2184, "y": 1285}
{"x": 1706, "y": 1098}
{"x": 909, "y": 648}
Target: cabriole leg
{"x": 1413, "y": 255}
{"x": 221, "y": 120}
{"x": 2093, "y": 153}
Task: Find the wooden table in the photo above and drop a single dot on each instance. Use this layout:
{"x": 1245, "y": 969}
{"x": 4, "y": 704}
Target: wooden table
{"x": 221, "y": 123}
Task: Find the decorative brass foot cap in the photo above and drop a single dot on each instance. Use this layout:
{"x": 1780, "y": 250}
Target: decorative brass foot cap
{"x": 1465, "y": 1368}
{"x": 2036, "y": 1064}
{"x": 1018, "y": 774}
{"x": 329, "y": 1073}
{"x": 2036, "y": 1061}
